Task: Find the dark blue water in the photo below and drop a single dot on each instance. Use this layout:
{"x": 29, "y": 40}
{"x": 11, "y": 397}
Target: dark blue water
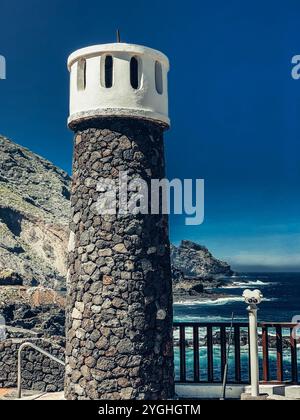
{"x": 281, "y": 300}
{"x": 281, "y": 303}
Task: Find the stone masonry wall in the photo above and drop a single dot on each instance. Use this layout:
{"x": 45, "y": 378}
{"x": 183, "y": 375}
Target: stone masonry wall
{"x": 38, "y": 371}
{"x": 119, "y": 306}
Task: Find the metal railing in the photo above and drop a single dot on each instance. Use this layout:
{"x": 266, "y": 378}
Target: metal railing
{"x": 40, "y": 350}
{"x": 200, "y": 352}
{"x": 284, "y": 336}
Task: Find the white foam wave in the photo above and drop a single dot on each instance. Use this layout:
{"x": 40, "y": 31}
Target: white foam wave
{"x": 218, "y": 301}
{"x": 243, "y": 284}
{"x": 238, "y": 276}
{"x": 207, "y": 318}
{"x": 207, "y": 301}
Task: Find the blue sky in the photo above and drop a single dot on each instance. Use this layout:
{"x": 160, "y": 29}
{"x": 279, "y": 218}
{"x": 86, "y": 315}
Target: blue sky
{"x": 234, "y": 107}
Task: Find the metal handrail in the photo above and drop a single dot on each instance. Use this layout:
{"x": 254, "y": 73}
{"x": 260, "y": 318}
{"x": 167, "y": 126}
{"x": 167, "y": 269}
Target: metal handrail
{"x": 40, "y": 350}
{"x": 238, "y": 323}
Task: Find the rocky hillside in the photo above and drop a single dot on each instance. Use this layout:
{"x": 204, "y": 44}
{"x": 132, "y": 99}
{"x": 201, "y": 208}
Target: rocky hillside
{"x": 195, "y": 268}
{"x": 195, "y": 260}
{"x": 34, "y": 209}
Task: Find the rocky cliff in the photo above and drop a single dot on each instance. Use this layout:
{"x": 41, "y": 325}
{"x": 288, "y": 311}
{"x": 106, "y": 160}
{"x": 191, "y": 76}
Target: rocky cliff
{"x": 195, "y": 268}
{"x": 195, "y": 260}
{"x": 34, "y": 209}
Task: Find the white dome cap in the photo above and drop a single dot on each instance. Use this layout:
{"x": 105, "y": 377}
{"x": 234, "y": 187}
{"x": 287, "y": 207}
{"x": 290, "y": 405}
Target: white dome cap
{"x": 118, "y": 80}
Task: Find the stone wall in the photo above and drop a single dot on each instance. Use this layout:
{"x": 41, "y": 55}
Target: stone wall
{"x": 38, "y": 371}
{"x": 119, "y": 306}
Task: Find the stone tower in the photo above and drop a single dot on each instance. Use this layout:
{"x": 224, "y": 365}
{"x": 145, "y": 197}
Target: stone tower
{"x": 119, "y": 306}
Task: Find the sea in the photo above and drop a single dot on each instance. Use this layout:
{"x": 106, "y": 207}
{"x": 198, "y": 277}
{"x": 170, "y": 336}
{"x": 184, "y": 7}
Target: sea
{"x": 281, "y": 303}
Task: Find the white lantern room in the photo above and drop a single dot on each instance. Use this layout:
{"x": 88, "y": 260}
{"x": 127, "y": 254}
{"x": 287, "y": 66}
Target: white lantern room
{"x": 118, "y": 80}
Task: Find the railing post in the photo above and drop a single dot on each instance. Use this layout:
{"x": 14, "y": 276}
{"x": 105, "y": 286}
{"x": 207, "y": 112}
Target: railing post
{"x": 279, "y": 353}
{"x": 237, "y": 353}
{"x": 19, "y": 377}
{"x": 182, "y": 353}
{"x": 223, "y": 349}
{"x": 210, "y": 353}
{"x": 294, "y": 365}
{"x": 265, "y": 347}
{"x": 196, "y": 354}
{"x": 252, "y": 298}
